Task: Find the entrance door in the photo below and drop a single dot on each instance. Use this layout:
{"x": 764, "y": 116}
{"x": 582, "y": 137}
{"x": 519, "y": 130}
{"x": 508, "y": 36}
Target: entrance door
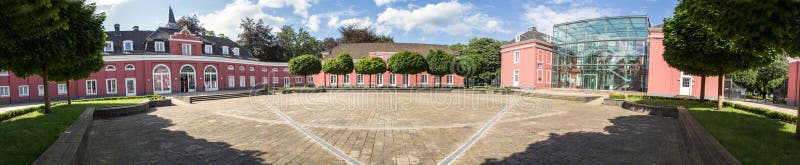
{"x": 589, "y": 81}
{"x": 161, "y": 79}
{"x": 686, "y": 84}
{"x": 287, "y": 81}
{"x": 130, "y": 87}
{"x": 516, "y": 78}
{"x": 188, "y": 83}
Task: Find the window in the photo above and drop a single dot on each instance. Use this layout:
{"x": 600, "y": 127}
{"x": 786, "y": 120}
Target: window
{"x": 379, "y": 79}
{"x": 359, "y": 79}
{"x": 264, "y": 69}
{"x": 111, "y": 86}
{"x": 516, "y": 75}
{"x": 109, "y": 46}
{"x": 285, "y": 69}
{"x": 252, "y": 81}
{"x": 3, "y": 73}
{"x": 159, "y": 46}
{"x": 91, "y": 87}
{"x": 424, "y": 79}
{"x": 23, "y": 90}
{"x": 310, "y": 79}
{"x": 225, "y": 50}
{"x": 274, "y": 69}
{"x": 346, "y": 79}
{"x": 230, "y": 67}
{"x": 186, "y": 49}
{"x": 392, "y": 79}
{"x": 130, "y": 67}
{"x": 62, "y": 89}
{"x": 41, "y": 90}
{"x": 334, "y": 79}
{"x": 4, "y": 91}
{"x": 516, "y": 56}
{"x": 449, "y": 79}
{"x": 298, "y": 80}
{"x": 405, "y": 79}
{"x": 686, "y": 82}
{"x": 111, "y": 68}
{"x": 241, "y": 68}
{"x": 275, "y": 80}
{"x": 231, "y": 81}
{"x": 539, "y": 65}
{"x": 210, "y": 78}
{"x": 208, "y": 49}
{"x": 236, "y": 51}
{"x": 252, "y": 68}
{"x": 437, "y": 80}
{"x": 242, "y": 81}
{"x": 264, "y": 80}
{"x": 127, "y": 45}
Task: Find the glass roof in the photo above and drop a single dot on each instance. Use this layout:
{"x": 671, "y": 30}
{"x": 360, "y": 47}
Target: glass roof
{"x": 611, "y": 28}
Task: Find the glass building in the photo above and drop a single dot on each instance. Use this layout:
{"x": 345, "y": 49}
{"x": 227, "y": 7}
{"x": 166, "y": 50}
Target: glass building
{"x": 603, "y": 54}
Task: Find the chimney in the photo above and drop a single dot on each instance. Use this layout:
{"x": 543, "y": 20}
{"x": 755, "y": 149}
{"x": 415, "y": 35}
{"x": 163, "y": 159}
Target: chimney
{"x": 116, "y": 30}
{"x": 532, "y": 28}
{"x": 136, "y": 28}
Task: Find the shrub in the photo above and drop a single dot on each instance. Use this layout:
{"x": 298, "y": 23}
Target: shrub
{"x": 616, "y": 96}
{"x": 15, "y": 113}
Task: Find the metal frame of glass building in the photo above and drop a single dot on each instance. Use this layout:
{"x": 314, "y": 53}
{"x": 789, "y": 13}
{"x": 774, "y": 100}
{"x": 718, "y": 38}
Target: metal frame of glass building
{"x": 608, "y": 53}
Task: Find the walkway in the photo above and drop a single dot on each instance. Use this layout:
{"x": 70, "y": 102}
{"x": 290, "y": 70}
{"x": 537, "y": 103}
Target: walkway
{"x": 775, "y": 107}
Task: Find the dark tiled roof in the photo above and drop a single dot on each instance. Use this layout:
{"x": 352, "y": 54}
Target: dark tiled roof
{"x": 143, "y": 42}
{"x": 218, "y": 42}
{"x": 531, "y": 34}
{"x": 162, "y": 33}
{"x": 360, "y": 50}
{"x": 138, "y": 38}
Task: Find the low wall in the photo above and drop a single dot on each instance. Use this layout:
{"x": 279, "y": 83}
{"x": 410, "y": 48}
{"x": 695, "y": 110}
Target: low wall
{"x": 106, "y": 112}
{"x": 701, "y": 147}
{"x": 666, "y": 111}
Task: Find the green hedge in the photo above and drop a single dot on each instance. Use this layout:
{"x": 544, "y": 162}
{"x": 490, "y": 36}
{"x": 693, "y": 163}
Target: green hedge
{"x": 616, "y": 96}
{"x": 15, "y": 113}
{"x": 755, "y": 110}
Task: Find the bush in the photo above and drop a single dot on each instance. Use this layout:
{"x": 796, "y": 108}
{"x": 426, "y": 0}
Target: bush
{"x": 616, "y": 96}
{"x": 764, "y": 112}
{"x": 15, "y": 113}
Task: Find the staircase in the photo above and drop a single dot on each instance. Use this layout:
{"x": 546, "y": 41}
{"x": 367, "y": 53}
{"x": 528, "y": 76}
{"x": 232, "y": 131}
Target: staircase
{"x": 193, "y": 99}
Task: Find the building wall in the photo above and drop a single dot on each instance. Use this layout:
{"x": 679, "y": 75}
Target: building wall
{"x": 143, "y": 75}
{"x": 794, "y": 74}
{"x": 324, "y": 79}
{"x": 664, "y": 80}
{"x": 530, "y": 76}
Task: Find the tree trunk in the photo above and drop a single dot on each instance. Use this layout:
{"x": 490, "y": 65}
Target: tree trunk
{"x": 69, "y": 96}
{"x": 440, "y": 81}
{"x": 416, "y": 80}
{"x": 325, "y": 79}
{"x": 337, "y": 81}
{"x": 369, "y": 85}
{"x": 46, "y": 91}
{"x": 702, "y": 88}
{"x": 719, "y": 90}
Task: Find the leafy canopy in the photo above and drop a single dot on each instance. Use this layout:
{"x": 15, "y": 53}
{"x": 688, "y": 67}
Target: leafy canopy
{"x": 370, "y": 66}
{"x": 258, "y": 38}
{"x": 305, "y": 65}
{"x": 28, "y": 19}
{"x": 342, "y": 64}
{"x": 469, "y": 65}
{"x": 440, "y": 63}
{"x": 407, "y": 62}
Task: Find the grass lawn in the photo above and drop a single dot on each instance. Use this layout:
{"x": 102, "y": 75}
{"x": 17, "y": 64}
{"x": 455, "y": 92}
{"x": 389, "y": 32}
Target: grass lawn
{"x": 24, "y": 137}
{"x": 751, "y": 138}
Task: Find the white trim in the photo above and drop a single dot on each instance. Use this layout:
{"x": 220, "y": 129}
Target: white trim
{"x": 274, "y": 69}
{"x": 215, "y": 74}
{"x": 231, "y": 81}
{"x": 309, "y": 79}
{"x": 194, "y": 76}
{"x": 112, "y": 68}
{"x": 242, "y": 81}
{"x": 159, "y": 46}
{"x": 59, "y": 89}
{"x": 184, "y": 40}
{"x": 88, "y": 92}
{"x": 362, "y": 79}
{"x": 516, "y": 56}
{"x": 184, "y": 51}
{"x": 529, "y": 46}
{"x": 40, "y": 89}
{"x": 208, "y": 49}
{"x": 275, "y": 80}
{"x": 298, "y": 80}
{"x": 241, "y": 67}
{"x": 190, "y": 58}
{"x": 109, "y": 44}
{"x": 109, "y": 85}
{"x": 235, "y": 51}
{"x": 6, "y": 92}
{"x": 225, "y": 50}
{"x": 27, "y": 90}
{"x": 133, "y": 67}
{"x": 231, "y": 67}
{"x": 252, "y": 68}
{"x": 124, "y": 43}
{"x": 449, "y": 79}
{"x": 423, "y": 79}
{"x": 252, "y": 81}
{"x": 126, "y": 87}
{"x": 169, "y": 79}
{"x": 285, "y": 69}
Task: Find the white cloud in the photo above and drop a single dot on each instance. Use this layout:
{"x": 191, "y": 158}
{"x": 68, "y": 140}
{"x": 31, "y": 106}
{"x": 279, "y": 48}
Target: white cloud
{"x": 313, "y": 23}
{"x": 300, "y": 6}
{"x": 226, "y": 21}
{"x": 385, "y": 2}
{"x": 450, "y": 17}
{"x": 544, "y": 17}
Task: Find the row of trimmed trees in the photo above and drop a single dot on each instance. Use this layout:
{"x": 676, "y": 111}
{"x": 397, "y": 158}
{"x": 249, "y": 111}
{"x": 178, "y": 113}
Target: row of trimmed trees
{"x": 438, "y": 63}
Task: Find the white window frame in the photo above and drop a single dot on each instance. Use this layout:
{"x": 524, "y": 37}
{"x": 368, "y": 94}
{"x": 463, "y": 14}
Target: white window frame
{"x": 5, "y": 91}
{"x": 230, "y": 67}
{"x": 359, "y": 79}
{"x": 539, "y": 65}
{"x": 111, "y": 68}
{"x": 186, "y": 49}
{"x": 274, "y": 69}
{"x": 516, "y": 75}
{"x": 236, "y": 51}
{"x": 132, "y": 67}
{"x": 392, "y": 79}
{"x": 159, "y": 46}
{"x": 252, "y": 81}
{"x": 242, "y": 82}
{"x": 516, "y": 56}
{"x": 436, "y": 80}
{"x": 241, "y": 68}
{"x": 346, "y": 79}
{"x": 252, "y": 68}
{"x": 405, "y": 79}
{"x": 449, "y": 79}
{"x": 424, "y": 79}
{"x": 225, "y": 50}
{"x": 264, "y": 80}
{"x": 125, "y": 45}
{"x": 298, "y": 80}
{"x": 62, "y": 91}
{"x": 231, "y": 81}
{"x": 379, "y": 79}
{"x": 208, "y": 49}
{"x": 91, "y": 89}
{"x": 109, "y": 46}
{"x": 26, "y": 92}
{"x": 310, "y": 79}
{"x": 40, "y": 89}
{"x": 264, "y": 69}
{"x": 275, "y": 80}
{"x": 111, "y": 86}
{"x": 285, "y": 69}
{"x": 334, "y": 79}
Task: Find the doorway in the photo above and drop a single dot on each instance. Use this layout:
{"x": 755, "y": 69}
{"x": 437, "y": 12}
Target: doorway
{"x": 686, "y": 84}
{"x": 130, "y": 86}
{"x": 188, "y": 83}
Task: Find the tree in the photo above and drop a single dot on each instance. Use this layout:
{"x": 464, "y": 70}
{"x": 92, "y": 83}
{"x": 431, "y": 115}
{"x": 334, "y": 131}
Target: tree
{"x": 458, "y": 47}
{"x": 305, "y": 65}
{"x": 682, "y": 37}
{"x": 329, "y": 67}
{"x": 354, "y": 33}
{"x": 83, "y": 66}
{"x": 258, "y": 38}
{"x": 58, "y": 53}
{"x": 28, "y": 19}
{"x": 489, "y": 49}
{"x": 370, "y": 66}
{"x": 440, "y": 63}
{"x": 192, "y": 23}
{"x": 341, "y": 65}
{"x": 407, "y": 62}
{"x": 329, "y": 43}
{"x": 770, "y": 77}
{"x": 744, "y": 78}
{"x": 468, "y": 66}
{"x": 297, "y": 43}
{"x": 385, "y": 38}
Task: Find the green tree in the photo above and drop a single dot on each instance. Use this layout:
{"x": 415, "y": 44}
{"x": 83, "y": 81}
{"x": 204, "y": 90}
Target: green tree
{"x": 682, "y": 37}
{"x": 489, "y": 49}
{"x": 458, "y": 47}
{"x": 744, "y": 78}
{"x": 297, "y": 42}
{"x": 440, "y": 63}
{"x": 385, "y": 38}
{"x": 407, "y": 62}
{"x": 341, "y": 65}
{"x": 58, "y": 53}
{"x": 370, "y": 66}
{"x": 329, "y": 67}
{"x": 770, "y": 77}
{"x": 83, "y": 65}
{"x": 469, "y": 66}
{"x": 192, "y": 23}
{"x": 259, "y": 39}
{"x": 305, "y": 65}
{"x": 23, "y": 20}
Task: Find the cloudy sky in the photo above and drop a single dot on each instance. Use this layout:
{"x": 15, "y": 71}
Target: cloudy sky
{"x": 417, "y": 21}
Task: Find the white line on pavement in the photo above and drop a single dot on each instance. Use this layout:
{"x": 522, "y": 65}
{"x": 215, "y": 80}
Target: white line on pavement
{"x": 449, "y": 159}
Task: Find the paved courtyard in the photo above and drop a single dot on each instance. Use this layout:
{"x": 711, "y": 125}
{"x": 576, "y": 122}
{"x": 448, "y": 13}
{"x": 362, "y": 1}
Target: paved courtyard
{"x": 386, "y": 128}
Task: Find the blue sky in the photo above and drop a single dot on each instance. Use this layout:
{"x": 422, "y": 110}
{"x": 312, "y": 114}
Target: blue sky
{"x": 412, "y": 21}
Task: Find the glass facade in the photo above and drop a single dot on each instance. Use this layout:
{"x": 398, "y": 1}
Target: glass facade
{"x": 604, "y": 54}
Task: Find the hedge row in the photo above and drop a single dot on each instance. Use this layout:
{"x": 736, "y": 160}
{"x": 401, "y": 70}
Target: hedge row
{"x": 15, "y": 113}
{"x": 755, "y": 110}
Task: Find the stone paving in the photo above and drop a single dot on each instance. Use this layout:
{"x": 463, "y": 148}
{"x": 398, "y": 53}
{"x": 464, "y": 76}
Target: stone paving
{"x": 385, "y": 128}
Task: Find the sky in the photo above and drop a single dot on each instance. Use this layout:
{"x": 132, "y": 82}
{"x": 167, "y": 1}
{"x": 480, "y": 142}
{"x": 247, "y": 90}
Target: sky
{"x": 407, "y": 21}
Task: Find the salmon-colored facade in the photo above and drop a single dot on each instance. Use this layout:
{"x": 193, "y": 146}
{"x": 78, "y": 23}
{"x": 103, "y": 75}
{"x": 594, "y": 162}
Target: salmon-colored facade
{"x": 794, "y": 74}
{"x": 526, "y": 64}
{"x": 387, "y": 78}
{"x": 664, "y": 80}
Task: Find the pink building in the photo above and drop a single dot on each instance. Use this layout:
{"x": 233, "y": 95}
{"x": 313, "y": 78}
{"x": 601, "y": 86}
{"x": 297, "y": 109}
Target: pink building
{"x": 167, "y": 60}
{"x": 384, "y": 51}
{"x": 526, "y": 61}
{"x": 794, "y": 73}
{"x": 664, "y": 80}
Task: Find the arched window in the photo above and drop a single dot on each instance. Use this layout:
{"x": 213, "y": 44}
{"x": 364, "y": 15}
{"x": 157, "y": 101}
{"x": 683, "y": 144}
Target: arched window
{"x": 274, "y": 69}
{"x": 252, "y": 68}
{"x": 230, "y": 67}
{"x": 285, "y": 69}
{"x": 264, "y": 69}
{"x": 210, "y": 78}
{"x": 161, "y": 79}
{"x": 188, "y": 79}
{"x": 241, "y": 68}
{"x": 111, "y": 68}
{"x": 130, "y": 67}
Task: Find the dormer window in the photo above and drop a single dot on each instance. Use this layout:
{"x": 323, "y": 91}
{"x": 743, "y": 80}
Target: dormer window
{"x": 109, "y": 46}
{"x": 127, "y": 45}
{"x": 208, "y": 49}
{"x": 111, "y": 68}
{"x": 159, "y": 45}
{"x": 225, "y": 50}
{"x": 236, "y": 51}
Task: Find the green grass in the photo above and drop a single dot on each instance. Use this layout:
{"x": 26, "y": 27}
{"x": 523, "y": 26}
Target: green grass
{"x": 23, "y": 138}
{"x": 751, "y": 138}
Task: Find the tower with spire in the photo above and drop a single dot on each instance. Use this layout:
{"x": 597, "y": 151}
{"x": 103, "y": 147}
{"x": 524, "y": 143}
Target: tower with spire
{"x": 171, "y": 20}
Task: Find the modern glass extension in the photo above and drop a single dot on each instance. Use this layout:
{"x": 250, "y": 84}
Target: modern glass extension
{"x": 603, "y": 54}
